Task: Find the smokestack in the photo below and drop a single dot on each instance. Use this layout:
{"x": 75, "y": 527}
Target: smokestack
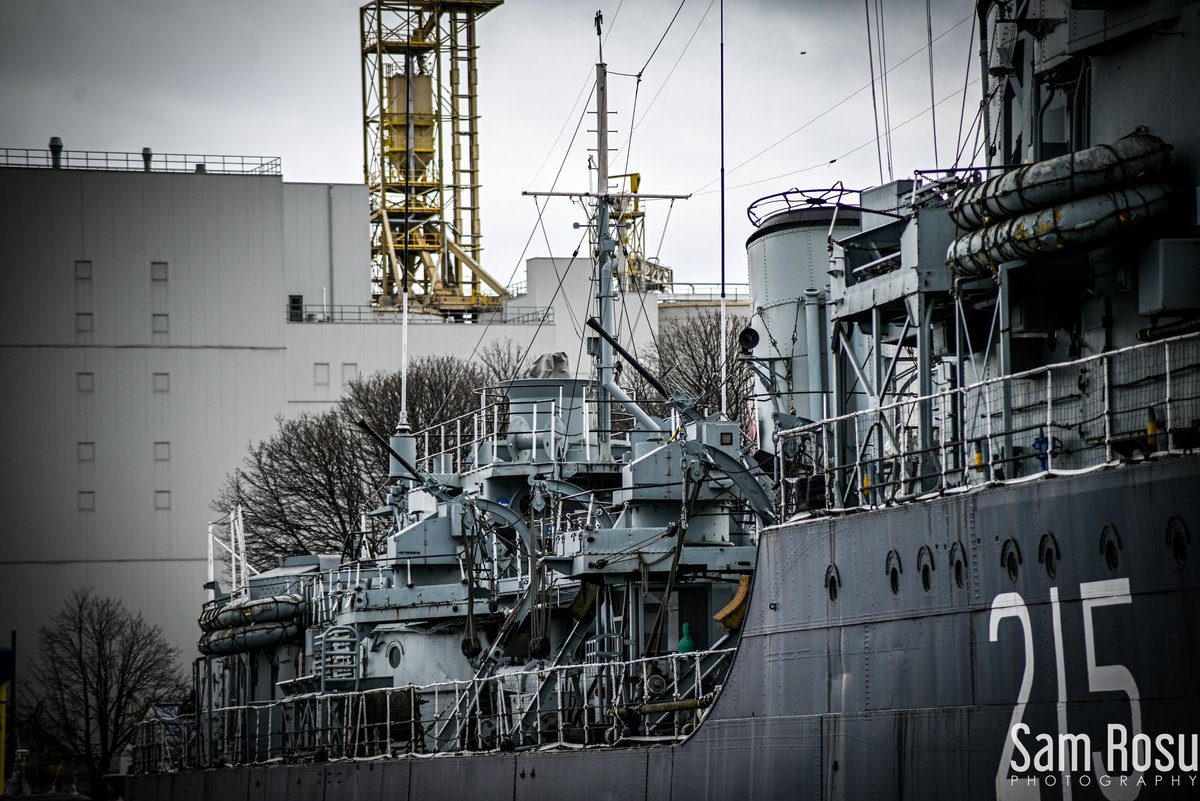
{"x": 56, "y": 149}
{"x": 147, "y": 154}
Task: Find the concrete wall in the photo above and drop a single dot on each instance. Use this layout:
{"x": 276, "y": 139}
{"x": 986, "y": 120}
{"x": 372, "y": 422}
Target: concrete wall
{"x": 141, "y": 344}
{"x": 326, "y": 244}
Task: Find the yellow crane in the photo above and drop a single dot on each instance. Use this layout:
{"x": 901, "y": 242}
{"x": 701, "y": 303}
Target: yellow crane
{"x": 421, "y": 154}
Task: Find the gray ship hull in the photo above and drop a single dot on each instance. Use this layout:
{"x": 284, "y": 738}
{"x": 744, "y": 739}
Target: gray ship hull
{"x": 891, "y": 694}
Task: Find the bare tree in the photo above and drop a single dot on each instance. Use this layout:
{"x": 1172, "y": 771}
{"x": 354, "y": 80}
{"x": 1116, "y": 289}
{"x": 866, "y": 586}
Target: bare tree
{"x": 502, "y": 358}
{"x": 686, "y": 355}
{"x": 99, "y": 669}
{"x": 440, "y": 388}
{"x": 305, "y": 488}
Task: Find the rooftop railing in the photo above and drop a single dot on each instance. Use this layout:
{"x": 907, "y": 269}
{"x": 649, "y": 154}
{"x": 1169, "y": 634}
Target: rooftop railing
{"x": 505, "y": 315}
{"x": 685, "y": 292}
{"x": 139, "y": 162}
{"x": 1131, "y": 404}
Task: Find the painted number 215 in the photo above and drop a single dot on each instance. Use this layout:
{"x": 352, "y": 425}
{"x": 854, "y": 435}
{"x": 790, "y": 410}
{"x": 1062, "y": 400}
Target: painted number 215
{"x": 1101, "y": 678}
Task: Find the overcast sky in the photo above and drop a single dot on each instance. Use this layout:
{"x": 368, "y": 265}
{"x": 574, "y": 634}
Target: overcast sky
{"x": 283, "y": 78}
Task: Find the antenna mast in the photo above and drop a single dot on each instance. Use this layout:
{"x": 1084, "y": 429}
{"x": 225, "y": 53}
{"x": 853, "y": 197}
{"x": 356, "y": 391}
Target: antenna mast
{"x": 604, "y": 258}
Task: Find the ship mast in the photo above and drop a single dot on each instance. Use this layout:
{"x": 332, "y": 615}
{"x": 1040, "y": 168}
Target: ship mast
{"x": 604, "y": 265}
{"x": 608, "y": 391}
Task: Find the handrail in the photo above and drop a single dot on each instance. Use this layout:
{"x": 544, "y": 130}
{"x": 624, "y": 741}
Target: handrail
{"x": 1124, "y": 404}
{"x": 592, "y": 704}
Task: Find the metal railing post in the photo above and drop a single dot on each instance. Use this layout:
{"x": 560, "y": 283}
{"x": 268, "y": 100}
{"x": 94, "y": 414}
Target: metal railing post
{"x": 1049, "y": 420}
{"x": 1167, "y": 399}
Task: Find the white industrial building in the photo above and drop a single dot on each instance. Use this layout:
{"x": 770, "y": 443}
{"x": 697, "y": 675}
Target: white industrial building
{"x": 156, "y": 322}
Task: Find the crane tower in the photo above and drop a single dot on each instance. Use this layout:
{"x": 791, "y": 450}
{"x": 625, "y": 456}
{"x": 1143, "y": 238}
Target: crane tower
{"x": 421, "y": 154}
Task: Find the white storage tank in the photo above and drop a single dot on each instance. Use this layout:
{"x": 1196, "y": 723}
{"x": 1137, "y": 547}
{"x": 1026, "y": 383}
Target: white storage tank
{"x": 789, "y": 272}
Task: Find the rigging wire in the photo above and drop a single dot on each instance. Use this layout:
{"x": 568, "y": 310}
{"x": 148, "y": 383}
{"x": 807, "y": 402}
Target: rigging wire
{"x": 491, "y": 318}
{"x": 550, "y": 305}
{"x": 637, "y": 123}
{"x": 850, "y": 152}
{"x": 874, "y": 100}
{"x": 662, "y": 38}
{"x": 587, "y": 82}
{"x": 881, "y": 39}
{"x": 932, "y": 95}
{"x": 959, "y": 142}
{"x": 832, "y": 108}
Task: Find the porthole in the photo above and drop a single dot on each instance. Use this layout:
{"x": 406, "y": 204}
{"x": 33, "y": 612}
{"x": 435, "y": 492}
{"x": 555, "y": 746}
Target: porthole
{"x": 1010, "y": 559}
{"x": 958, "y": 565}
{"x": 892, "y": 570}
{"x": 926, "y": 578}
{"x": 1112, "y": 556}
{"x": 833, "y": 582}
{"x": 395, "y": 653}
{"x": 1049, "y": 554}
{"x": 1110, "y": 548}
{"x": 1178, "y": 540}
{"x": 925, "y": 567}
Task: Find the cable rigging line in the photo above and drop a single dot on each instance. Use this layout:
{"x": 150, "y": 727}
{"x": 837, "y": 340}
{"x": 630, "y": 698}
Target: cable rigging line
{"x": 932, "y": 96}
{"x": 704, "y": 16}
{"x": 832, "y": 108}
{"x": 852, "y": 151}
{"x": 661, "y": 38}
{"x": 959, "y": 143}
{"x": 587, "y": 82}
{"x": 874, "y": 101}
{"x": 881, "y": 39}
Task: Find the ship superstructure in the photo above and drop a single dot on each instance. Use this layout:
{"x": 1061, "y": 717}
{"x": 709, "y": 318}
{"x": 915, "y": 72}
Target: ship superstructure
{"x": 966, "y": 516}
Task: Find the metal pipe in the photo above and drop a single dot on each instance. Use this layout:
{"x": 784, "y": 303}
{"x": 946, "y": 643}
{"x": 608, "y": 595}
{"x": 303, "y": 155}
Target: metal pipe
{"x": 812, "y": 327}
{"x": 631, "y": 406}
{"x": 684, "y": 705}
{"x": 1155, "y": 333}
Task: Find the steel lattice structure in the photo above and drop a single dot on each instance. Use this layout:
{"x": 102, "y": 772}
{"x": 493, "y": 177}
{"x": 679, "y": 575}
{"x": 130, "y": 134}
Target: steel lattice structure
{"x": 421, "y": 153}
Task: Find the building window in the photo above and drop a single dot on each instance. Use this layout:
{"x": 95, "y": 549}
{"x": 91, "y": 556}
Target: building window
{"x": 83, "y": 271}
{"x": 162, "y": 382}
{"x": 321, "y": 374}
{"x": 83, "y": 323}
{"x": 295, "y": 308}
{"x": 87, "y": 501}
{"x": 85, "y": 382}
{"x": 158, "y": 323}
{"x": 162, "y": 499}
{"x": 349, "y": 372}
{"x": 162, "y": 451}
{"x": 158, "y": 271}
{"x": 86, "y": 451}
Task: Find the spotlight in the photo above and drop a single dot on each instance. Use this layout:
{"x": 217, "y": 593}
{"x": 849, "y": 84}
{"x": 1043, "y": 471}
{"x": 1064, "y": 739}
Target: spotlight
{"x": 747, "y": 340}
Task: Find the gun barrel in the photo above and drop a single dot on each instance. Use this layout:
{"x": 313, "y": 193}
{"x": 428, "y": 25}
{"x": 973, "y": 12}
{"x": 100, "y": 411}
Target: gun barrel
{"x": 594, "y": 324}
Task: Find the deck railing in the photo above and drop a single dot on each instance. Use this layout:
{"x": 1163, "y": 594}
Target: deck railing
{"x": 1128, "y": 404}
{"x": 654, "y": 699}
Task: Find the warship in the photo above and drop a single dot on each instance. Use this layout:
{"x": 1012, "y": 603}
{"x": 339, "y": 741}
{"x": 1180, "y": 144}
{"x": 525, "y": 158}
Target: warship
{"x": 952, "y": 557}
